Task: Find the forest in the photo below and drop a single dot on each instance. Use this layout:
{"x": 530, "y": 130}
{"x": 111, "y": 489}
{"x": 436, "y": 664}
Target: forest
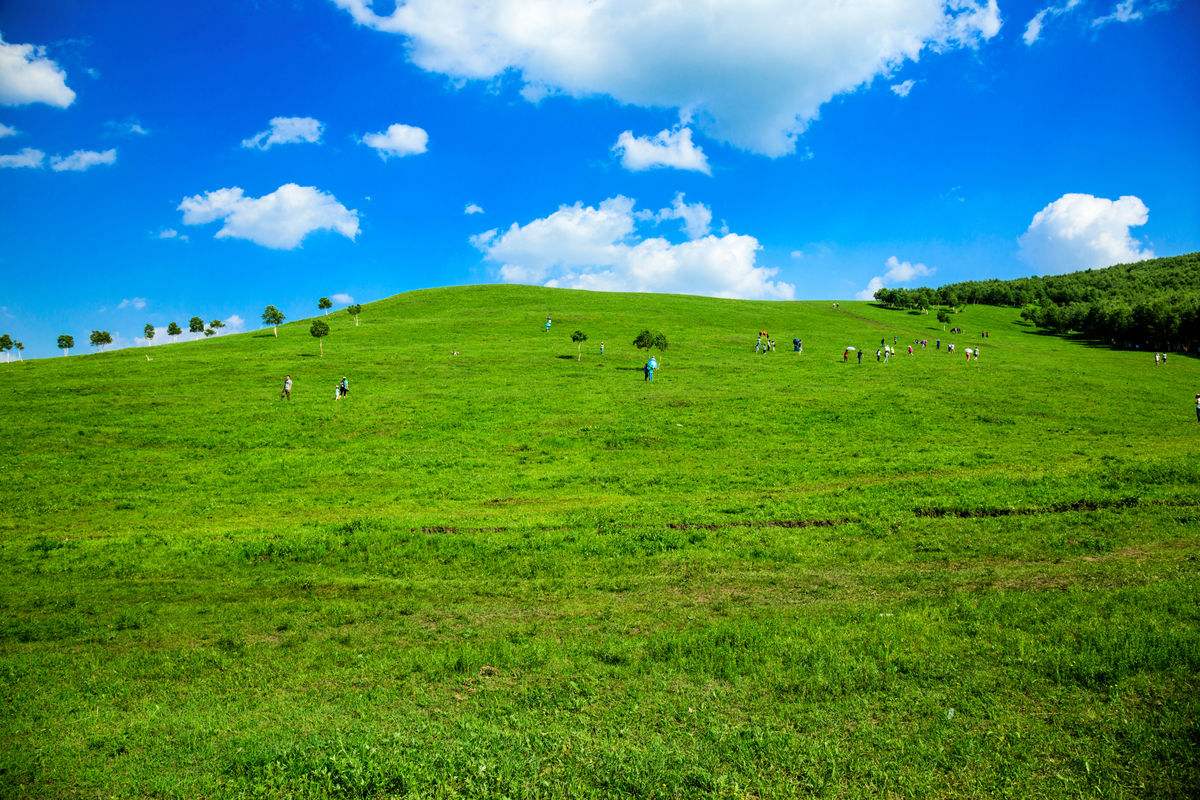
{"x": 1148, "y": 304}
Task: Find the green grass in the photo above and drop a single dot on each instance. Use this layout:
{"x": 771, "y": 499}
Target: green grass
{"x": 512, "y": 574}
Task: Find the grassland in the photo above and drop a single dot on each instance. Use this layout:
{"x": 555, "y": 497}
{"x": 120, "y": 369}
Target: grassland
{"x": 510, "y": 573}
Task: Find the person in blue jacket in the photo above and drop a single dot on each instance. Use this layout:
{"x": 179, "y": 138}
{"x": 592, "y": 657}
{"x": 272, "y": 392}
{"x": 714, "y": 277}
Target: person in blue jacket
{"x": 651, "y": 365}
{"x": 547, "y": 329}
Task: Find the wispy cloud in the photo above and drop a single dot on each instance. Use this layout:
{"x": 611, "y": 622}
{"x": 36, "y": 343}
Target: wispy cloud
{"x": 82, "y": 160}
{"x": 287, "y": 130}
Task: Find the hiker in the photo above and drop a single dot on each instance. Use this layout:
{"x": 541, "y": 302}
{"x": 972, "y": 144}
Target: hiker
{"x": 887, "y": 355}
{"x": 771, "y": 345}
{"x": 882, "y": 341}
{"x": 1198, "y": 408}
{"x": 939, "y": 344}
{"x": 602, "y": 348}
{"x": 286, "y": 394}
{"x": 548, "y": 321}
{"x": 795, "y": 345}
{"x": 860, "y": 356}
{"x": 1164, "y": 359}
{"x": 344, "y": 386}
{"x": 878, "y": 355}
{"x": 910, "y": 350}
{"x": 651, "y": 365}
{"x": 1156, "y": 359}
{"x": 758, "y": 344}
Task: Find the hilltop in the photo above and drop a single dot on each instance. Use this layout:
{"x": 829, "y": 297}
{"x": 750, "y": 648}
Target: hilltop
{"x": 512, "y": 572}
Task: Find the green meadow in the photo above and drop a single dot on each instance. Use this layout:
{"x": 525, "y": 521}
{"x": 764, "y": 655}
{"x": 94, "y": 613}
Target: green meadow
{"x": 513, "y": 573}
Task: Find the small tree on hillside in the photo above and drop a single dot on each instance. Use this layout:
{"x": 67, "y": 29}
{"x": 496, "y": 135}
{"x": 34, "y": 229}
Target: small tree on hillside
{"x": 647, "y": 341}
{"x": 325, "y": 304}
{"x": 19, "y": 347}
{"x": 174, "y": 330}
{"x": 6, "y": 344}
{"x": 65, "y": 343}
{"x": 209, "y": 332}
{"x": 216, "y": 324}
{"x": 354, "y": 311}
{"x": 196, "y": 325}
{"x": 943, "y": 316}
{"x": 274, "y": 317}
{"x": 579, "y": 337}
{"x": 100, "y": 339}
{"x": 148, "y": 333}
{"x": 319, "y": 331}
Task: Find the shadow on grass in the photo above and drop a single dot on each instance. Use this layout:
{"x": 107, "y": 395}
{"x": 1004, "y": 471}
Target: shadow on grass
{"x": 1099, "y": 344}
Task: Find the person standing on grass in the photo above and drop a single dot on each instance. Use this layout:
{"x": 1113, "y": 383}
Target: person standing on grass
{"x": 344, "y": 387}
{"x": 860, "y": 356}
{"x": 651, "y": 365}
{"x": 548, "y": 323}
{"x": 286, "y": 394}
{"x": 1156, "y": 359}
{"x": 602, "y": 348}
{"x": 1164, "y": 359}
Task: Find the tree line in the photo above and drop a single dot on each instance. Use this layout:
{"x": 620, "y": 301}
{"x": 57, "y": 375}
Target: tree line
{"x": 1148, "y": 304}
{"x": 271, "y": 316}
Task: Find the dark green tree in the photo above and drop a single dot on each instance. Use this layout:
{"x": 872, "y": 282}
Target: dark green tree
{"x": 274, "y": 317}
{"x": 319, "y": 330}
{"x": 354, "y": 311}
{"x": 174, "y": 330}
{"x": 325, "y": 304}
{"x": 65, "y": 342}
{"x": 579, "y": 337}
{"x": 6, "y": 344}
{"x": 148, "y": 333}
{"x": 196, "y": 325}
{"x": 100, "y": 339}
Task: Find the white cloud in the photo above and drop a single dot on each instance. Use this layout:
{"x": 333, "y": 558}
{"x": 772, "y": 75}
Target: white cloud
{"x": 280, "y": 220}
{"x": 28, "y": 158}
{"x": 129, "y": 127}
{"x": 398, "y": 140}
{"x": 7, "y": 130}
{"x": 341, "y": 298}
{"x": 667, "y": 148}
{"x": 133, "y": 302}
{"x": 472, "y": 208}
{"x": 751, "y": 74}
{"x": 897, "y": 272}
{"x": 1033, "y": 28}
{"x": 903, "y": 88}
{"x": 1081, "y": 231}
{"x": 1128, "y": 11}
{"x": 287, "y": 130}
{"x": 696, "y": 217}
{"x": 797, "y": 254}
{"x": 597, "y": 247}
{"x": 27, "y": 76}
{"x": 82, "y": 160}
{"x": 171, "y": 233}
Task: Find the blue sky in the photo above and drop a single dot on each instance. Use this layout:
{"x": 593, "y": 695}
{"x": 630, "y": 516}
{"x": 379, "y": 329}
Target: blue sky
{"x": 805, "y": 170}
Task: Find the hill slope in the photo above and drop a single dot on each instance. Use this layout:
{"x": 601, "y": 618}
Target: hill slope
{"x": 509, "y": 569}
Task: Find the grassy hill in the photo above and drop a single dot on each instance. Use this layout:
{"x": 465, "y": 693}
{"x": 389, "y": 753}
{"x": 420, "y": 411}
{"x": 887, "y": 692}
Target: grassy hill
{"x": 509, "y": 573}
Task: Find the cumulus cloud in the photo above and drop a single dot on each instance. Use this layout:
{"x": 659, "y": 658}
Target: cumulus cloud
{"x": 696, "y": 217}
{"x": 398, "y": 140}
{"x": 137, "y": 303}
{"x": 28, "y": 158}
{"x": 279, "y": 220}
{"x": 598, "y": 247}
{"x": 897, "y": 272}
{"x": 667, "y": 148}
{"x": 82, "y": 160}
{"x": 286, "y": 130}
{"x": 903, "y": 88}
{"x": 1129, "y": 11}
{"x": 341, "y": 298}
{"x": 751, "y": 74}
{"x": 1081, "y": 231}
{"x": 7, "y": 130}
{"x": 472, "y": 208}
{"x": 27, "y": 76}
{"x": 171, "y": 233}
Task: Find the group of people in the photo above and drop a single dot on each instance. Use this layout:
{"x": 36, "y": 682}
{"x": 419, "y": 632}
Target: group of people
{"x": 765, "y": 343}
{"x": 1160, "y": 359}
{"x": 342, "y": 389}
